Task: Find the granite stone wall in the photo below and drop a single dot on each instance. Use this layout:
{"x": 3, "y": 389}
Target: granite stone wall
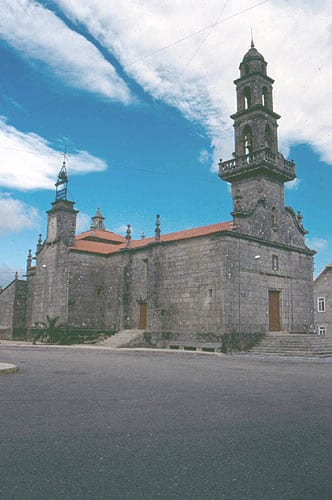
{"x": 48, "y": 285}
{"x": 12, "y": 309}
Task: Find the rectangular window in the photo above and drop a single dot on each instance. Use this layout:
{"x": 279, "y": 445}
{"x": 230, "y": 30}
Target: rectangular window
{"x": 322, "y": 330}
{"x": 321, "y": 304}
{"x": 275, "y": 263}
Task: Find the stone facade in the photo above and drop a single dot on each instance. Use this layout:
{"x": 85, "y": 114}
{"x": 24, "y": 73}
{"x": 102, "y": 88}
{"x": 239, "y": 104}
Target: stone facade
{"x": 13, "y": 309}
{"x": 250, "y": 275}
{"x": 323, "y": 302}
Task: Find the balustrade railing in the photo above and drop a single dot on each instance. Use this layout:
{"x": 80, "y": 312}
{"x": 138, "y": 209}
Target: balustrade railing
{"x": 252, "y": 160}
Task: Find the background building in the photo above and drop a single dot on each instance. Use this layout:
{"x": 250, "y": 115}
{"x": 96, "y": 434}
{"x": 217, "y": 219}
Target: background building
{"x": 323, "y": 301}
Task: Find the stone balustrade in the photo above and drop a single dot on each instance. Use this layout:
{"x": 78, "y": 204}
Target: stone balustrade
{"x": 253, "y": 160}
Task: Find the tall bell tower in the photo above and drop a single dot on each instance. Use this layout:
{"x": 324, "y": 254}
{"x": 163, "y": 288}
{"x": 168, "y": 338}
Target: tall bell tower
{"x": 258, "y": 171}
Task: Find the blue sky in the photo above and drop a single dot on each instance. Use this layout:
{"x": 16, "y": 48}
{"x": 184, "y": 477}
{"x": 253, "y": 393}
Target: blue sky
{"x": 140, "y": 94}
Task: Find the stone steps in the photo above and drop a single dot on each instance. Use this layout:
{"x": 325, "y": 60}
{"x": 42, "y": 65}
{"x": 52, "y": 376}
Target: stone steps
{"x": 124, "y": 338}
{"x": 294, "y": 345}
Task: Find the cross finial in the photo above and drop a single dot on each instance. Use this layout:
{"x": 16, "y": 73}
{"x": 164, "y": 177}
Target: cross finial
{"x": 65, "y": 155}
{"x": 61, "y": 184}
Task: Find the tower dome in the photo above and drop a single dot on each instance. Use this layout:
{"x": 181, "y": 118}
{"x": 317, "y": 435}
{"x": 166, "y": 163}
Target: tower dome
{"x": 252, "y": 62}
{"x": 252, "y": 54}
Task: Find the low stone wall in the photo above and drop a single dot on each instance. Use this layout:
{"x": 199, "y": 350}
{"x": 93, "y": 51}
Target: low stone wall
{"x": 5, "y": 333}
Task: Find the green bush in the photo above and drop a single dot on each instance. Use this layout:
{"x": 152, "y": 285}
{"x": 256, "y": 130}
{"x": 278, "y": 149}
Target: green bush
{"x": 54, "y": 333}
{"x": 240, "y": 341}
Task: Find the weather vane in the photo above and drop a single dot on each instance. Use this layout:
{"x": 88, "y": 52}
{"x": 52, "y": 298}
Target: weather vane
{"x": 61, "y": 184}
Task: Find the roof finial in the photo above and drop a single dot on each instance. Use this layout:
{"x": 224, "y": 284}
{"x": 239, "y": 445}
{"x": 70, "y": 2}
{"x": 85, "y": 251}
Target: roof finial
{"x": 157, "y": 230}
{"x": 128, "y": 236}
{"x": 39, "y": 244}
{"x": 252, "y": 39}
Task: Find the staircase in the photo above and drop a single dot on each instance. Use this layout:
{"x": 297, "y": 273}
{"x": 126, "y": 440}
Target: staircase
{"x": 124, "y": 338}
{"x": 283, "y": 344}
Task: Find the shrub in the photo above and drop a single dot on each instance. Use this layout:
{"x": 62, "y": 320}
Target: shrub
{"x": 240, "y": 341}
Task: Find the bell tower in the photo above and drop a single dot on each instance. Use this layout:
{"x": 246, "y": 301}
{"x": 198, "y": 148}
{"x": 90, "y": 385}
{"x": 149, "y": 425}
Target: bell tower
{"x": 62, "y": 216}
{"x": 257, "y": 171}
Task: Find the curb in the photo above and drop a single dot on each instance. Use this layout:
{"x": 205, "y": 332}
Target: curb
{"x": 7, "y": 368}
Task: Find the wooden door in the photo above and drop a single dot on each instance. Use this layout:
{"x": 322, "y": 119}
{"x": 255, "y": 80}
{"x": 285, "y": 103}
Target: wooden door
{"x": 142, "y": 316}
{"x": 274, "y": 311}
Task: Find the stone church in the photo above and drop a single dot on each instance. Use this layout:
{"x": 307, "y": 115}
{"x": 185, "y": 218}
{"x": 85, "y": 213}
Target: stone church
{"x": 248, "y": 275}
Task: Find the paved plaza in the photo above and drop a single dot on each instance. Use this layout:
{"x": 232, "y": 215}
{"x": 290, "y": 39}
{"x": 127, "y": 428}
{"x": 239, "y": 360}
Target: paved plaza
{"x": 100, "y": 424}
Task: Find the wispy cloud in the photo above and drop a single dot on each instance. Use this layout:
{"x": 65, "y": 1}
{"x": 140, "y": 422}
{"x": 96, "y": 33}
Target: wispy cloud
{"x": 16, "y": 215}
{"x": 294, "y": 184}
{"x": 122, "y": 229}
{"x": 83, "y": 222}
{"x": 37, "y": 33}
{"x": 317, "y": 243}
{"x": 204, "y": 156}
{"x": 195, "y": 75}
{"x": 29, "y": 162}
{"x": 7, "y": 274}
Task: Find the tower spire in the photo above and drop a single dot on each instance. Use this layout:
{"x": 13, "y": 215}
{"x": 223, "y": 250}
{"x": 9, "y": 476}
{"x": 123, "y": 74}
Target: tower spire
{"x": 61, "y": 185}
{"x": 252, "y": 45}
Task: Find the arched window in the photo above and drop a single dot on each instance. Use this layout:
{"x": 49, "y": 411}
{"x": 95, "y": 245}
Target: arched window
{"x": 246, "y": 69}
{"x": 265, "y": 101}
{"x": 247, "y": 141}
{"x": 247, "y": 98}
{"x": 268, "y": 137}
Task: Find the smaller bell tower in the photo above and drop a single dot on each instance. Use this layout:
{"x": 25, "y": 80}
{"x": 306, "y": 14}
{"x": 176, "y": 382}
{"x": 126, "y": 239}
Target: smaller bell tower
{"x": 98, "y": 221}
{"x": 62, "y": 216}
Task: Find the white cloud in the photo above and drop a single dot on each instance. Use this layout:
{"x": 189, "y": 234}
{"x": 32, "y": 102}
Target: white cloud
{"x": 196, "y": 75}
{"x": 204, "y": 156}
{"x": 317, "y": 243}
{"x": 83, "y": 222}
{"x": 16, "y": 215}
{"x": 40, "y": 35}
{"x": 293, "y": 185}
{"x": 123, "y": 229}
{"x": 7, "y": 275}
{"x": 29, "y": 162}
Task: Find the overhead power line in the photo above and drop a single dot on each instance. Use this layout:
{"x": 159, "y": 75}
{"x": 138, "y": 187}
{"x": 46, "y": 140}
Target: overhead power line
{"x": 195, "y": 33}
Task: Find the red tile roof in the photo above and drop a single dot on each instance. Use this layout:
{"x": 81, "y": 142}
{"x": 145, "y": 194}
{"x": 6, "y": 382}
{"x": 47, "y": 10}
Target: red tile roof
{"x": 104, "y": 245}
{"x": 101, "y": 235}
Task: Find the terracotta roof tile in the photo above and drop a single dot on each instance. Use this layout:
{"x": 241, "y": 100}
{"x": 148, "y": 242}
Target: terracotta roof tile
{"x": 84, "y": 244}
{"x": 101, "y": 235}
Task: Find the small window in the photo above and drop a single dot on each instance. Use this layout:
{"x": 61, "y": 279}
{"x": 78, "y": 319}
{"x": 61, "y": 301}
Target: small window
{"x": 322, "y": 330}
{"x": 275, "y": 262}
{"x": 321, "y": 304}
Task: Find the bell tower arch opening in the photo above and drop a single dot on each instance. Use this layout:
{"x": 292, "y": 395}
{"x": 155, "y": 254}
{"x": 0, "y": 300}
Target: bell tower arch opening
{"x": 247, "y": 97}
{"x": 247, "y": 142}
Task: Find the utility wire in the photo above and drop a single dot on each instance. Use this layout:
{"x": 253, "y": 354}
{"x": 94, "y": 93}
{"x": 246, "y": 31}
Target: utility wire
{"x": 207, "y": 36}
{"x": 195, "y": 33}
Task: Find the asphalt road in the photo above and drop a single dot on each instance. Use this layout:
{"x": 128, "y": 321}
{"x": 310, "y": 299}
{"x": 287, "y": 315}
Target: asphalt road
{"x": 96, "y": 424}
